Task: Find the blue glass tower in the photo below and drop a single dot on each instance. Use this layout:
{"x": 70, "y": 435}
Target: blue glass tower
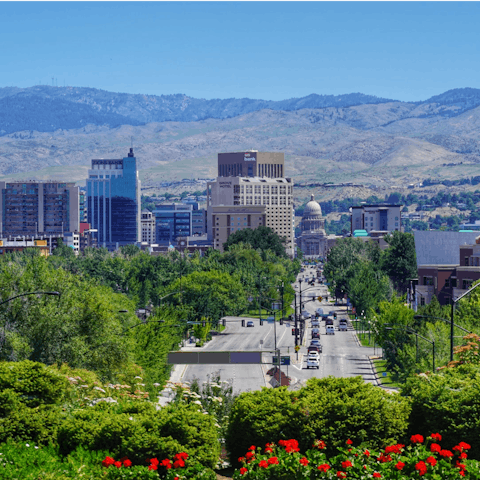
{"x": 113, "y": 201}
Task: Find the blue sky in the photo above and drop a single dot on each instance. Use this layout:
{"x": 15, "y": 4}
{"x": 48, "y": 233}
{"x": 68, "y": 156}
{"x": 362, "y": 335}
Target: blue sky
{"x": 266, "y": 50}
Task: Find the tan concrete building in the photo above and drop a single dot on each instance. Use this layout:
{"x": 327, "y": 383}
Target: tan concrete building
{"x": 251, "y": 163}
{"x": 148, "y": 227}
{"x": 235, "y": 203}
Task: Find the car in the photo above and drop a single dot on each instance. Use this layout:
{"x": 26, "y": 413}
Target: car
{"x": 330, "y": 330}
{"x": 319, "y": 311}
{"x": 315, "y": 323}
{"x": 316, "y": 333}
{"x": 314, "y": 348}
{"x": 317, "y": 345}
{"x": 328, "y": 321}
{"x": 315, "y": 342}
{"x": 343, "y": 325}
{"x": 313, "y": 363}
{"x": 250, "y": 324}
{"x": 332, "y": 312}
{"x": 314, "y": 355}
{"x": 306, "y": 313}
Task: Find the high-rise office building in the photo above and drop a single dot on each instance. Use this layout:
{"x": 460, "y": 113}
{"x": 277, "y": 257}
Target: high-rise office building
{"x": 172, "y": 221}
{"x": 251, "y": 164}
{"x": 113, "y": 201}
{"x": 236, "y": 203}
{"x": 38, "y": 208}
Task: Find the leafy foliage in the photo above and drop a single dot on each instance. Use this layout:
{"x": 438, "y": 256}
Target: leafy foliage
{"x": 260, "y": 238}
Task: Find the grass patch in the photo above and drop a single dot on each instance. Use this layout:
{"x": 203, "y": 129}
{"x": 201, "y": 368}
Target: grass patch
{"x": 266, "y": 313}
{"x": 384, "y": 375}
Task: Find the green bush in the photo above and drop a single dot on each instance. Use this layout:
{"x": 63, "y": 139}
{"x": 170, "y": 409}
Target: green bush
{"x": 339, "y": 408}
{"x": 139, "y": 436}
{"x": 35, "y": 383}
{"x": 24, "y": 461}
{"x": 37, "y": 425}
{"x": 448, "y": 403}
{"x": 329, "y": 409}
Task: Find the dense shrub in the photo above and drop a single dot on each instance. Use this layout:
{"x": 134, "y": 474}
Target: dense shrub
{"x": 448, "y": 403}
{"x": 330, "y": 409}
{"x": 139, "y": 436}
{"x": 35, "y": 383}
{"x": 339, "y": 408}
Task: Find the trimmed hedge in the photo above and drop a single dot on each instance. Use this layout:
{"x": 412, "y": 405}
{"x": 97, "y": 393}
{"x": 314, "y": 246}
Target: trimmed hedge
{"x": 330, "y": 409}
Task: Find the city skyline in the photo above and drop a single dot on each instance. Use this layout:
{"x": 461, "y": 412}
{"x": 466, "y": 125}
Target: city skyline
{"x": 405, "y": 51}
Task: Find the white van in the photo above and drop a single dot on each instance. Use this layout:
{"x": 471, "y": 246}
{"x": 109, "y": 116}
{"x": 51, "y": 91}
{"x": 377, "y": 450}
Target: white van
{"x": 330, "y": 330}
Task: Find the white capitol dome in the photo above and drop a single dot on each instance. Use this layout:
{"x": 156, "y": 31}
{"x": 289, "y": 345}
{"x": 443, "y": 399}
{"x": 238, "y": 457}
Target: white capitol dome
{"x": 312, "y": 208}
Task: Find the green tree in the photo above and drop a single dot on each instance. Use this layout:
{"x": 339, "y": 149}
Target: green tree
{"x": 262, "y": 238}
{"x": 399, "y": 260}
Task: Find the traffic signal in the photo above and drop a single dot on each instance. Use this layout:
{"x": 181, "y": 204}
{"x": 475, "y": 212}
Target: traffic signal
{"x": 261, "y": 321}
{"x": 243, "y": 323}
{"x": 335, "y": 315}
{"x": 281, "y": 321}
{"x": 224, "y": 322}
{"x": 356, "y": 317}
{"x": 293, "y": 331}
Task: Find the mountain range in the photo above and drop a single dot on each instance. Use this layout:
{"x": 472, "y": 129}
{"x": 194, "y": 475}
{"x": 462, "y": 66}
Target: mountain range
{"x": 55, "y": 131}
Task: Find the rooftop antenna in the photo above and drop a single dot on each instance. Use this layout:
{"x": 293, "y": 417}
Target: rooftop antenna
{"x": 52, "y": 81}
{"x": 131, "y": 142}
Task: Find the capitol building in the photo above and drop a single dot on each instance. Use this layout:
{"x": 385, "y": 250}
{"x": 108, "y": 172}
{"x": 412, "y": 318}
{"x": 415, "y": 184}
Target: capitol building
{"x": 313, "y": 241}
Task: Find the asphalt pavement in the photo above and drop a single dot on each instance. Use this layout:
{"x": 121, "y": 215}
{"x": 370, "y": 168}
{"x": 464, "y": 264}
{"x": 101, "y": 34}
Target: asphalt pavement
{"x": 342, "y": 355}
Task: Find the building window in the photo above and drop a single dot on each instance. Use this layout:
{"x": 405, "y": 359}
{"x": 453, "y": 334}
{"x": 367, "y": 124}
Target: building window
{"x": 466, "y": 261}
{"x": 428, "y": 280}
{"x": 422, "y": 301}
{"x": 467, "y": 283}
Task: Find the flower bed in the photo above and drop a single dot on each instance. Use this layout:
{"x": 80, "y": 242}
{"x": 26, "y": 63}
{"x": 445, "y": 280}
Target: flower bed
{"x": 422, "y": 458}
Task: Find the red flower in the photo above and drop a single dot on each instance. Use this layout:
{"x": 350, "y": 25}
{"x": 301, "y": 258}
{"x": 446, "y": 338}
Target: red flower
{"x": 290, "y": 445}
{"x": 249, "y": 455}
{"x": 416, "y": 439}
{"x": 346, "y": 464}
{"x": 462, "y": 446}
{"x": 108, "y": 461}
{"x": 435, "y": 447}
{"x": 377, "y": 475}
{"x": 436, "y": 436}
{"x": 394, "y": 448}
{"x": 127, "y": 463}
{"x": 366, "y": 453}
{"x": 243, "y": 471}
{"x": 263, "y": 464}
{"x": 154, "y": 461}
{"x": 421, "y": 467}
{"x": 241, "y": 459}
{"x": 152, "y": 467}
{"x": 431, "y": 461}
{"x": 341, "y": 475}
{"x": 349, "y": 442}
{"x": 268, "y": 450}
{"x": 178, "y": 463}
{"x": 320, "y": 444}
{"x": 324, "y": 467}
{"x": 463, "y": 455}
{"x": 252, "y": 447}
{"x": 118, "y": 464}
{"x": 304, "y": 461}
{"x": 176, "y": 478}
{"x": 384, "y": 458}
{"x": 273, "y": 461}
{"x": 462, "y": 473}
{"x": 165, "y": 463}
{"x": 461, "y": 466}
{"x": 181, "y": 456}
{"x": 399, "y": 465}
{"x": 445, "y": 453}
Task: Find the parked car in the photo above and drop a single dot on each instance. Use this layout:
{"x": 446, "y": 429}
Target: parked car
{"x": 250, "y": 324}
{"x": 330, "y": 330}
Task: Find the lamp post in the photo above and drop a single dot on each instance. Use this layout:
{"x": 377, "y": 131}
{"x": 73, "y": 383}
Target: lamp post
{"x": 412, "y": 332}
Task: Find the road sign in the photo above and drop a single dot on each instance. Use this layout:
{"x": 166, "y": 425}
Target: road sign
{"x": 319, "y": 299}
{"x": 284, "y": 360}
